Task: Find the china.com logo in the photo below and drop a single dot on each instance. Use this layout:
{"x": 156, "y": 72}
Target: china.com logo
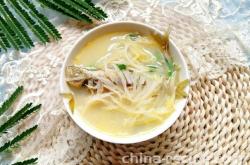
{"x": 140, "y": 158}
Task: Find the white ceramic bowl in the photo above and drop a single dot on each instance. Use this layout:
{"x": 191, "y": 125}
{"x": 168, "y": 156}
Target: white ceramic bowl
{"x": 114, "y": 27}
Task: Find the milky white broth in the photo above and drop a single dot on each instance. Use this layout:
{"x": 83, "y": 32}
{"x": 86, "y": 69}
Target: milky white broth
{"x": 113, "y": 122}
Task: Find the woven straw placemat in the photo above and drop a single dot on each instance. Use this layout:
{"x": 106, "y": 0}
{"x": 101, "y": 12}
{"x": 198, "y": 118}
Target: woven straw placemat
{"x": 214, "y": 128}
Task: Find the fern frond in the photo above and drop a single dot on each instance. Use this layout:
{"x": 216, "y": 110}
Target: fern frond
{"x": 97, "y": 8}
{"x": 36, "y": 29}
{"x": 15, "y": 118}
{"x": 10, "y": 34}
{"x": 23, "y": 113}
{"x": 80, "y": 8}
{"x": 27, "y": 162}
{"x": 43, "y": 21}
{"x": 64, "y": 8}
{"x": 17, "y": 139}
{"x": 17, "y": 27}
{"x": 2, "y": 46}
{"x": 4, "y": 43}
{"x": 6, "y": 104}
{"x": 30, "y": 111}
{"x": 54, "y": 7}
{"x": 91, "y": 10}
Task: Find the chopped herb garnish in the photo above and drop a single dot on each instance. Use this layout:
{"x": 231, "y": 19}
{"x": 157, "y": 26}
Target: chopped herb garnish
{"x": 133, "y": 36}
{"x": 152, "y": 68}
{"x": 122, "y": 66}
{"x": 170, "y": 66}
{"x": 159, "y": 56}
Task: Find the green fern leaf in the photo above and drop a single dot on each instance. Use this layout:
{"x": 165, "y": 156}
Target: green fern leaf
{"x": 27, "y": 162}
{"x": 43, "y": 21}
{"x": 10, "y": 34}
{"x": 4, "y": 43}
{"x": 30, "y": 111}
{"x": 97, "y": 8}
{"x": 79, "y": 8}
{"x": 36, "y": 29}
{"x": 20, "y": 115}
{"x": 14, "y": 119}
{"x": 17, "y": 27}
{"x": 6, "y": 105}
{"x": 17, "y": 139}
{"x": 92, "y": 10}
{"x": 2, "y": 46}
{"x": 54, "y": 7}
{"x": 61, "y": 6}
{"x": 86, "y": 9}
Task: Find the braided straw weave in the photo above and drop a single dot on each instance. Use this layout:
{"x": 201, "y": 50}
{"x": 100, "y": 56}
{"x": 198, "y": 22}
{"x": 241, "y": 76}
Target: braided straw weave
{"x": 214, "y": 128}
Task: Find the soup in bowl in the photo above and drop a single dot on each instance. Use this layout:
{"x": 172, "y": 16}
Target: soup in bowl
{"x": 124, "y": 82}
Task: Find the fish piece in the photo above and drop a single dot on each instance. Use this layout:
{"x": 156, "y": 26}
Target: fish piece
{"x": 79, "y": 75}
{"x": 102, "y": 81}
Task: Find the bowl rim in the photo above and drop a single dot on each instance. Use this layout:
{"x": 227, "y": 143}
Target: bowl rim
{"x": 117, "y": 139}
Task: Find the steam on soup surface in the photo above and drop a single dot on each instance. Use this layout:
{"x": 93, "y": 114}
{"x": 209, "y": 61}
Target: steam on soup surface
{"x": 124, "y": 83}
